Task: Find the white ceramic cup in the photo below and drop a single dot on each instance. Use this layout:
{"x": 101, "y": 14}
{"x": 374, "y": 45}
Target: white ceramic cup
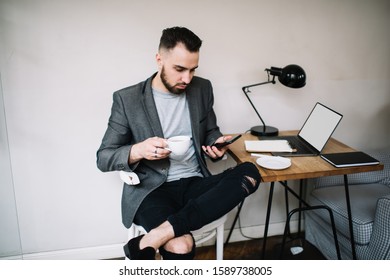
{"x": 179, "y": 144}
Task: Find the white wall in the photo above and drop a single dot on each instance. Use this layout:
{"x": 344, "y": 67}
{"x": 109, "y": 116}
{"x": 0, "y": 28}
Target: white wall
{"x": 60, "y": 61}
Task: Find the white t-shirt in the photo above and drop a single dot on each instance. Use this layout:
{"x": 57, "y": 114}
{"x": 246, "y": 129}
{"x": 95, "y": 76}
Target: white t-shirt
{"x": 175, "y": 120}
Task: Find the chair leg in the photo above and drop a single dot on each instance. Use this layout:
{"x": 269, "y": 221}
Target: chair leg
{"x": 132, "y": 232}
{"x": 219, "y": 241}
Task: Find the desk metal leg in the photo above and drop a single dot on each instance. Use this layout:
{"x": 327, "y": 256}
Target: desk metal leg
{"x": 306, "y": 208}
{"x": 287, "y": 206}
{"x": 267, "y": 218}
{"x": 301, "y": 183}
{"x": 349, "y": 217}
{"x": 301, "y": 209}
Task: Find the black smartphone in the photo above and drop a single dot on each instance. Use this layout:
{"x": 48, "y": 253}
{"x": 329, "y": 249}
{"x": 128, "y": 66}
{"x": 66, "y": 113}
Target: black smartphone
{"x": 228, "y": 142}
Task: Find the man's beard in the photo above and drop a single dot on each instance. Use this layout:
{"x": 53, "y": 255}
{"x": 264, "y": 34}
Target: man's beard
{"x": 171, "y": 88}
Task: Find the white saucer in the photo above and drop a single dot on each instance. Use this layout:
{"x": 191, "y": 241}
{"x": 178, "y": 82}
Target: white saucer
{"x": 275, "y": 163}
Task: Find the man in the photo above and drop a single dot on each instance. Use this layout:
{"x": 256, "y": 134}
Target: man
{"x": 174, "y": 196}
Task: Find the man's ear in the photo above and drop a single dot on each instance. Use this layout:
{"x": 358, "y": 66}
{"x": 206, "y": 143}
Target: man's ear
{"x": 159, "y": 60}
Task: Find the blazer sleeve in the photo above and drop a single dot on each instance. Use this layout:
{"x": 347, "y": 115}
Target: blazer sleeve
{"x": 114, "y": 151}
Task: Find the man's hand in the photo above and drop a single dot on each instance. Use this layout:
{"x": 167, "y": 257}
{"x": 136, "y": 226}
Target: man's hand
{"x": 150, "y": 149}
{"x": 215, "y": 153}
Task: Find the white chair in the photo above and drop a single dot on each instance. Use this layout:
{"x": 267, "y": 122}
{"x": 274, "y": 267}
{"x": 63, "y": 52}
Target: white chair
{"x": 201, "y": 235}
{"x": 215, "y": 228}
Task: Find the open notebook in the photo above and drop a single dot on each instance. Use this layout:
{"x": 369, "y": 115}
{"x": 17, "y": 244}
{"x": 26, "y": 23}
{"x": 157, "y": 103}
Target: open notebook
{"x": 268, "y": 146}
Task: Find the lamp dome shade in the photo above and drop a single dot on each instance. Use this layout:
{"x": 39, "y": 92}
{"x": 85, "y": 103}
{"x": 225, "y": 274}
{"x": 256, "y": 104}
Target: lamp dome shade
{"x": 292, "y": 76}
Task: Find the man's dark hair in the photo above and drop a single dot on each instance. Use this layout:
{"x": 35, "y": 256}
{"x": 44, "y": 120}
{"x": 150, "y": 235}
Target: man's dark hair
{"x": 172, "y": 36}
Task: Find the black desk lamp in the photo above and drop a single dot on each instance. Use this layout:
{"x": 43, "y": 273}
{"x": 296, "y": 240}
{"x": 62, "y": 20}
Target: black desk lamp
{"x": 291, "y": 76}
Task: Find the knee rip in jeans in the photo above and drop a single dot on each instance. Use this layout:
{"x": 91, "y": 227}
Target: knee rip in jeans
{"x": 249, "y": 184}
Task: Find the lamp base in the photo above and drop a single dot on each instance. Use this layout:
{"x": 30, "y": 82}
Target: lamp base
{"x": 264, "y": 130}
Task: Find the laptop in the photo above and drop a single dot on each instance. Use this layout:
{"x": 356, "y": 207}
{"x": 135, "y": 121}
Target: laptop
{"x": 314, "y": 134}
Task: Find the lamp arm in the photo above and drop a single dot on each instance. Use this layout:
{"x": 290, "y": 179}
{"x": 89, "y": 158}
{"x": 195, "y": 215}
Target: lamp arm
{"x": 246, "y": 90}
{"x": 259, "y": 84}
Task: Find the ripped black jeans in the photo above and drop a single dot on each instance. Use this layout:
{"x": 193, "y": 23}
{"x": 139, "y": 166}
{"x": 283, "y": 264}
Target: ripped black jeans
{"x": 190, "y": 203}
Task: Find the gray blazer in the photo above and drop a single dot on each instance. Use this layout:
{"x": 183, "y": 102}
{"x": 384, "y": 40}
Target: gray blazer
{"x": 133, "y": 119}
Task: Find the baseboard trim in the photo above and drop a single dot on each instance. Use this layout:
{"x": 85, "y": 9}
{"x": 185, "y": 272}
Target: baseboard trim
{"x": 15, "y": 257}
{"x": 258, "y": 231}
{"x": 115, "y": 251}
{"x": 89, "y": 253}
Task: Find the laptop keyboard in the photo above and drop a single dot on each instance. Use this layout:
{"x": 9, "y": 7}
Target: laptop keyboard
{"x": 295, "y": 143}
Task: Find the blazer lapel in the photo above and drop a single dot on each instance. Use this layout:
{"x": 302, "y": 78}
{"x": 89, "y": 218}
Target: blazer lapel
{"x": 151, "y": 110}
{"x": 193, "y": 106}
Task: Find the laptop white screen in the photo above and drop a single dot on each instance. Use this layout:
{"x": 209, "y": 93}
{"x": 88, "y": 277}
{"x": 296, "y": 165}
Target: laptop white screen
{"x": 319, "y": 126}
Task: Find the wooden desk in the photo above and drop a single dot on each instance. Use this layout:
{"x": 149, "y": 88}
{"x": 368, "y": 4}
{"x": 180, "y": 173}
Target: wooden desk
{"x": 301, "y": 168}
